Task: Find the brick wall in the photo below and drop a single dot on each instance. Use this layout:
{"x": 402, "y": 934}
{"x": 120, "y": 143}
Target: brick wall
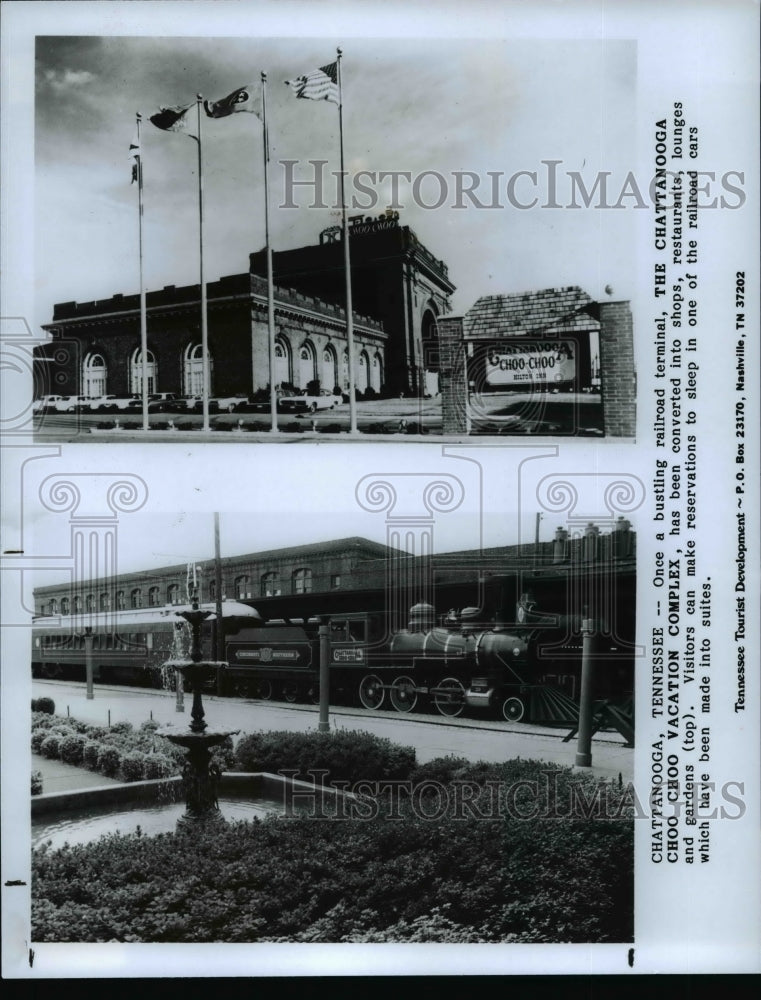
{"x": 619, "y": 389}
{"x": 453, "y": 380}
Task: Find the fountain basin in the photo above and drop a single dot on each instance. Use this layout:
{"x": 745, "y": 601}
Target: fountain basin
{"x": 156, "y": 805}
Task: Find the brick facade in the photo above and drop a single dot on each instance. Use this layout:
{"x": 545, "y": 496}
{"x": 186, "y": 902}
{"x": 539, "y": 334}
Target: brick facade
{"x": 619, "y": 386}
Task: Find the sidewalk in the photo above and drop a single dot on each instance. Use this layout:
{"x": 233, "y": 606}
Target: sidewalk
{"x": 60, "y": 777}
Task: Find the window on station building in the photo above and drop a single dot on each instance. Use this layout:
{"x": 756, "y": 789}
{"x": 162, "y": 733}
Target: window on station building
{"x": 136, "y": 598}
{"x": 242, "y": 587}
{"x": 173, "y": 593}
{"x": 136, "y": 372}
{"x": 153, "y": 597}
{"x": 77, "y": 605}
{"x": 53, "y": 606}
{"x": 283, "y": 366}
{"x": 192, "y": 370}
{"x": 64, "y": 605}
{"x": 335, "y": 581}
{"x": 90, "y": 602}
{"x": 105, "y": 602}
{"x": 120, "y": 603}
{"x": 94, "y": 376}
{"x": 271, "y": 584}
{"x": 302, "y": 581}
{"x": 212, "y": 590}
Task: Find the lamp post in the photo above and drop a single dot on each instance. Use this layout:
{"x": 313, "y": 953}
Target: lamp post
{"x": 88, "y": 661}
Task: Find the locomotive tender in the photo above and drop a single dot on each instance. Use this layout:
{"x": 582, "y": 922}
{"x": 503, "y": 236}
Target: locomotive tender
{"x": 525, "y": 671}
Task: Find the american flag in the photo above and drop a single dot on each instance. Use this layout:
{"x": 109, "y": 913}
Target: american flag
{"x": 320, "y": 85}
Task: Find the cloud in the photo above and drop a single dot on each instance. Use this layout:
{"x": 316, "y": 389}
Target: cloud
{"x": 62, "y": 81}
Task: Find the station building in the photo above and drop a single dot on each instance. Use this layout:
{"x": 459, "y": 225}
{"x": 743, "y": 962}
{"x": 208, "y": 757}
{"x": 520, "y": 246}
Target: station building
{"x": 399, "y": 290}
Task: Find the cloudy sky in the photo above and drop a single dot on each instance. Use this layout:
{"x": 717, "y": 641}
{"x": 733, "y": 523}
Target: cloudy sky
{"x": 440, "y": 105}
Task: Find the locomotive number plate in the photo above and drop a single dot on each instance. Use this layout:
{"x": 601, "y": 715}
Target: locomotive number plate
{"x": 348, "y": 655}
{"x": 267, "y": 655}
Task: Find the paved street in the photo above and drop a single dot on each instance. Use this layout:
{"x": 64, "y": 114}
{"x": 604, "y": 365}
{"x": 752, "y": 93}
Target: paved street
{"x": 432, "y": 736}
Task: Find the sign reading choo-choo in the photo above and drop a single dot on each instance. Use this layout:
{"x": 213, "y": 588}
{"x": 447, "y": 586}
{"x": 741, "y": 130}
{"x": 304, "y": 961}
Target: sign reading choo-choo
{"x": 530, "y": 363}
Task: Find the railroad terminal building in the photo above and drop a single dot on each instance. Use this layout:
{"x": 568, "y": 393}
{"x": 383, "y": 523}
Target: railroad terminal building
{"x": 406, "y": 340}
{"x": 356, "y": 574}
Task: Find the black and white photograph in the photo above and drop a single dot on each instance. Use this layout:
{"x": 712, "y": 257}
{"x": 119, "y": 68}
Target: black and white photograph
{"x": 365, "y": 268}
{"x": 379, "y": 437}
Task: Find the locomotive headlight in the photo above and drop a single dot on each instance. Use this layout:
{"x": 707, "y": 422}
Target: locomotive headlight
{"x": 516, "y": 650}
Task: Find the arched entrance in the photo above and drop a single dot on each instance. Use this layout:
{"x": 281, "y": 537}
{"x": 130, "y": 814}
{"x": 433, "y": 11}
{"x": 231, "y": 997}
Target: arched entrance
{"x": 329, "y": 369}
{"x": 363, "y": 375}
{"x": 94, "y": 374}
{"x": 307, "y": 365}
{"x": 376, "y": 373}
{"x": 282, "y": 361}
{"x": 430, "y": 359}
{"x": 136, "y": 372}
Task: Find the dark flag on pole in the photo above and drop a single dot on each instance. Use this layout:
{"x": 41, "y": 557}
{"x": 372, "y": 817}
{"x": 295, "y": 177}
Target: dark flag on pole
{"x": 171, "y": 119}
{"x": 245, "y": 98}
{"x": 134, "y": 155}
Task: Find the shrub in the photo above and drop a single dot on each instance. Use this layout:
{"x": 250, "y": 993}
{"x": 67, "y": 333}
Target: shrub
{"x": 133, "y": 766}
{"x": 149, "y": 726}
{"x": 346, "y": 756}
{"x": 224, "y": 755}
{"x": 158, "y": 765}
{"x": 46, "y": 705}
{"x": 122, "y": 727}
{"x": 72, "y": 748}
{"x": 442, "y": 769}
{"x": 90, "y": 752}
{"x": 109, "y": 760}
{"x": 51, "y": 746}
{"x": 38, "y": 737}
{"x": 41, "y": 720}
{"x": 36, "y": 783}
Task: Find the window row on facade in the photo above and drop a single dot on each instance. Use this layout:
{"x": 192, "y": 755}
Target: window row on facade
{"x": 300, "y": 368}
{"x": 270, "y": 584}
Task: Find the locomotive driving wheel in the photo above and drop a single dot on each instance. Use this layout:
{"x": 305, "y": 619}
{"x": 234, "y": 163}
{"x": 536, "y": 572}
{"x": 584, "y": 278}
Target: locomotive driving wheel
{"x": 264, "y": 690}
{"x": 513, "y": 708}
{"x": 449, "y": 697}
{"x": 403, "y": 695}
{"x": 290, "y": 691}
{"x": 371, "y": 692}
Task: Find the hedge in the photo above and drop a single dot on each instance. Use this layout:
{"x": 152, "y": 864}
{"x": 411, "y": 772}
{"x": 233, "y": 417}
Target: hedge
{"x": 452, "y": 879}
{"x": 45, "y": 705}
{"x": 345, "y": 755}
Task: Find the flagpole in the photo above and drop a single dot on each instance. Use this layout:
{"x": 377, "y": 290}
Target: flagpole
{"x": 143, "y": 320}
{"x": 268, "y": 244}
{"x": 347, "y": 262}
{"x": 204, "y": 325}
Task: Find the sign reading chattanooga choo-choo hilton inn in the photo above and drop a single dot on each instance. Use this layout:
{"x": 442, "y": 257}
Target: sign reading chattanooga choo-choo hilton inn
{"x": 511, "y": 364}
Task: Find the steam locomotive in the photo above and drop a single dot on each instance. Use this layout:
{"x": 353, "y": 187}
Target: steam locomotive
{"x": 526, "y": 670}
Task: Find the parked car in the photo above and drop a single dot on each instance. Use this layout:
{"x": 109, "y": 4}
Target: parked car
{"x": 45, "y": 403}
{"x": 303, "y": 403}
{"x": 102, "y": 403}
{"x": 71, "y": 404}
{"x": 158, "y": 402}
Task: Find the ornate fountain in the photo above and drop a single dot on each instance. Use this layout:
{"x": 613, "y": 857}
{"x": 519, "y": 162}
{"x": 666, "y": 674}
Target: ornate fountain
{"x": 200, "y": 774}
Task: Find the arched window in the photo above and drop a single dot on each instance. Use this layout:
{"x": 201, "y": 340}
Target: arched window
{"x": 345, "y": 370}
{"x": 77, "y": 605}
{"x": 376, "y": 374}
{"x": 120, "y": 605}
{"x": 363, "y": 376}
{"x": 329, "y": 369}
{"x": 242, "y": 587}
{"x": 105, "y": 601}
{"x": 430, "y": 337}
{"x": 153, "y": 597}
{"x": 136, "y": 598}
{"x": 64, "y": 605}
{"x": 282, "y": 361}
{"x": 173, "y": 593}
{"x": 94, "y": 376}
{"x": 192, "y": 370}
{"x": 212, "y": 590}
{"x": 302, "y": 581}
{"x": 53, "y": 606}
{"x": 307, "y": 365}
{"x": 90, "y": 602}
{"x": 271, "y": 584}
{"x": 136, "y": 372}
